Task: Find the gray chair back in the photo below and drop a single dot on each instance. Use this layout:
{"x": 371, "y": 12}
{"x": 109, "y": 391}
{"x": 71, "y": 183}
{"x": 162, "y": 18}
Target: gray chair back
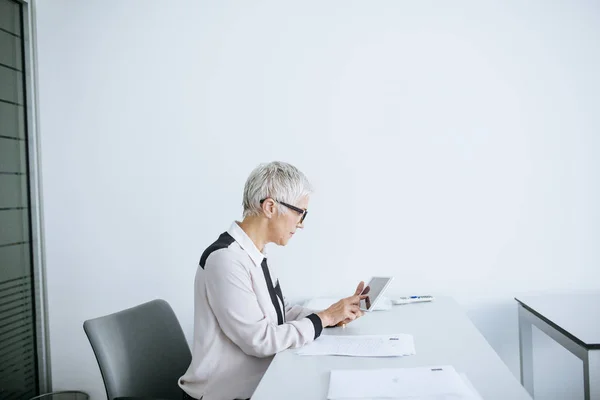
{"x": 141, "y": 351}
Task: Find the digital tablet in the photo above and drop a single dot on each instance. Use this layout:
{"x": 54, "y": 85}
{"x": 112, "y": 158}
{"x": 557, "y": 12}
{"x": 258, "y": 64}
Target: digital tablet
{"x": 374, "y": 289}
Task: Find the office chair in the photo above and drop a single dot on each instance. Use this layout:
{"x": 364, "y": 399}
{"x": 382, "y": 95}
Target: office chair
{"x": 141, "y": 351}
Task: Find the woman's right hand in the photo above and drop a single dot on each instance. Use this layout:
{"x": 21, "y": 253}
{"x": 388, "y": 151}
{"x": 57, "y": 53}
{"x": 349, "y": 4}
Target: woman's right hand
{"x": 347, "y": 309}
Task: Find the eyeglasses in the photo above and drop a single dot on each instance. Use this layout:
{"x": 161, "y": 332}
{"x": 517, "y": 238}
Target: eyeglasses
{"x": 300, "y": 211}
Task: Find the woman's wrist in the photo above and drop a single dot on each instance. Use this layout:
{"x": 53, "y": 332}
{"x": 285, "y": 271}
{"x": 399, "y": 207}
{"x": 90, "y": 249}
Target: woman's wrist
{"x": 325, "y": 318}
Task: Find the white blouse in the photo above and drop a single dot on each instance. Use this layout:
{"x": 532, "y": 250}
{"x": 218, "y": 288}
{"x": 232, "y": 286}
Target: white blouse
{"x": 241, "y": 320}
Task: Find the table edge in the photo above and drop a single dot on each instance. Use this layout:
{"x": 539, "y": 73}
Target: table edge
{"x": 575, "y": 339}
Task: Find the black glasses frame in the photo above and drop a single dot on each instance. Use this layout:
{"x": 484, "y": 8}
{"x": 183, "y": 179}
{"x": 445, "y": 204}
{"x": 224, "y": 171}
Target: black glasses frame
{"x": 300, "y": 211}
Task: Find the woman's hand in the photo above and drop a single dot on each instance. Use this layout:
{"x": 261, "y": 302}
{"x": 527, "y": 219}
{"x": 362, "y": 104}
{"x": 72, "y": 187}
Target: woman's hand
{"x": 345, "y": 310}
{"x": 360, "y": 289}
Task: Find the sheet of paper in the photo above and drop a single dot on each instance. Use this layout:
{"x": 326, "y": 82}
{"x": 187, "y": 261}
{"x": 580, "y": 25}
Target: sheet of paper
{"x": 321, "y": 303}
{"x": 360, "y": 346}
{"x": 424, "y": 383}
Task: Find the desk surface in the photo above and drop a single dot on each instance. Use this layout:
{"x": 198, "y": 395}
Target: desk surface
{"x": 577, "y": 316}
{"x": 443, "y": 335}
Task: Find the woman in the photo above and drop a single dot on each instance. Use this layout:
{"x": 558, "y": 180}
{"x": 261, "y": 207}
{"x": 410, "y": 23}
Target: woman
{"x": 241, "y": 318}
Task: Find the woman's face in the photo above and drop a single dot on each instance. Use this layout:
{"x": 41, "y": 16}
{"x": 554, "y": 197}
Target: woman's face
{"x": 284, "y": 226}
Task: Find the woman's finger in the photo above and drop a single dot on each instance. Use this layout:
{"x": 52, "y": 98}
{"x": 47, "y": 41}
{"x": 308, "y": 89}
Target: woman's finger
{"x": 359, "y": 288}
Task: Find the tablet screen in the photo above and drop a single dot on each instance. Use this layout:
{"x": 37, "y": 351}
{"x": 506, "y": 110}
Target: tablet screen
{"x": 373, "y": 290}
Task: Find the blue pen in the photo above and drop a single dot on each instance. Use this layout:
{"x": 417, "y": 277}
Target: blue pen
{"x": 411, "y": 299}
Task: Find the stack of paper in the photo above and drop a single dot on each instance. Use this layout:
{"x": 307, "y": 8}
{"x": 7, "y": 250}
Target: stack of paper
{"x": 425, "y": 383}
{"x": 361, "y": 346}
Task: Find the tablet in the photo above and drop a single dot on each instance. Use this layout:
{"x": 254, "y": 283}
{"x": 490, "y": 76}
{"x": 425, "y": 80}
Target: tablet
{"x": 374, "y": 289}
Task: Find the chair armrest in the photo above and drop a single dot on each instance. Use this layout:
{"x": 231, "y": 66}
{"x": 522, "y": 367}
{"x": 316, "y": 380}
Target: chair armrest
{"x": 138, "y": 398}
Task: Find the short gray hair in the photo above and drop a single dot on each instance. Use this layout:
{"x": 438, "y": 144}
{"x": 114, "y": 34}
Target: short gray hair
{"x": 276, "y": 180}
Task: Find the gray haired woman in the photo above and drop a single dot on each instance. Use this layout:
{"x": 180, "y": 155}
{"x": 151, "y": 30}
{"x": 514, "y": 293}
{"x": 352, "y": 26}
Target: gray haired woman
{"x": 241, "y": 318}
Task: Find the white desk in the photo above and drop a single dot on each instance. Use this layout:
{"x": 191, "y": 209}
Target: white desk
{"x": 443, "y": 336}
{"x": 571, "y": 320}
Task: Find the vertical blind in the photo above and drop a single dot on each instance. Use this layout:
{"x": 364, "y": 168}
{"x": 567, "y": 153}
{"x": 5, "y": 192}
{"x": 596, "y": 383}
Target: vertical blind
{"x": 18, "y": 359}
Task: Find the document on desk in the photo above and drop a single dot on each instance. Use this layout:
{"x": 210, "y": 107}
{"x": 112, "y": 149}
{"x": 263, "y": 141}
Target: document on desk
{"x": 360, "y": 346}
{"x": 423, "y": 383}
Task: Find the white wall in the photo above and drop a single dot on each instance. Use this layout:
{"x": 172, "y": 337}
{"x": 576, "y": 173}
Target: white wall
{"x": 453, "y": 146}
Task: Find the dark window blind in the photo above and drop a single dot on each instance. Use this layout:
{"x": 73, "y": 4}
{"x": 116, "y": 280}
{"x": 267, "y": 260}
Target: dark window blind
{"x": 18, "y": 358}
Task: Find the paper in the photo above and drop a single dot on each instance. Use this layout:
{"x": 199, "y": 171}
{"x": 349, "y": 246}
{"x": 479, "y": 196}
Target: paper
{"x": 361, "y": 346}
{"x": 321, "y": 303}
{"x": 424, "y": 383}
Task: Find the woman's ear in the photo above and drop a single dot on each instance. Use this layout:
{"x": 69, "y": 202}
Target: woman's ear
{"x": 268, "y": 207}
